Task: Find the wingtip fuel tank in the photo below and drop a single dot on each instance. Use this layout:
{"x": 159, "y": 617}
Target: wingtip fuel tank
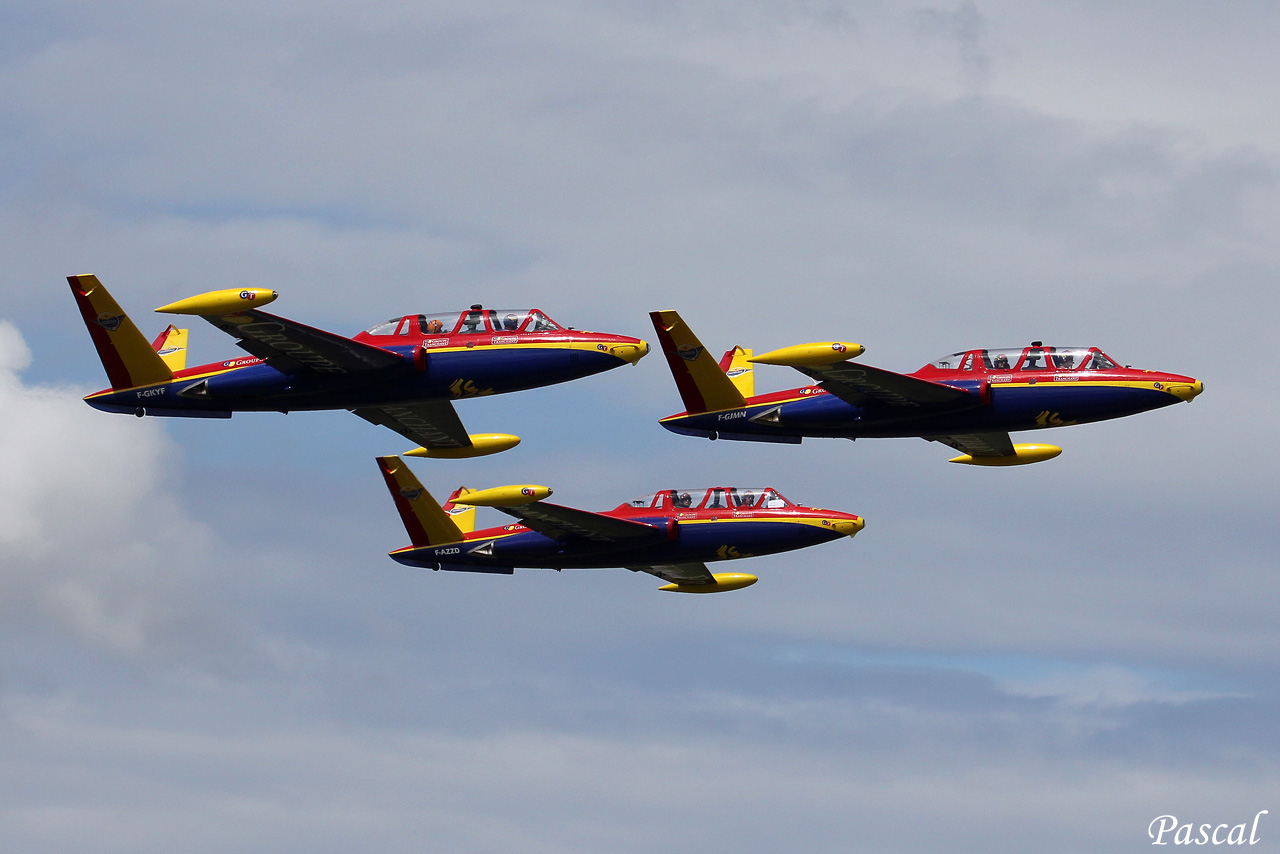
{"x": 724, "y": 581}
{"x": 505, "y": 496}
{"x": 214, "y": 303}
{"x": 481, "y": 445}
{"x": 805, "y": 355}
{"x": 1022, "y": 455}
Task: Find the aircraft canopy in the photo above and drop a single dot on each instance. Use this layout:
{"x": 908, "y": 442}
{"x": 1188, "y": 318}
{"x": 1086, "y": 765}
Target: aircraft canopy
{"x": 1035, "y": 358}
{"x": 715, "y": 498}
{"x": 472, "y": 321}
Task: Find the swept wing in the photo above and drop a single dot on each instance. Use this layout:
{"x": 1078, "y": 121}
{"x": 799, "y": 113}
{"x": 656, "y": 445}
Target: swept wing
{"x": 291, "y": 347}
{"x": 679, "y": 573}
{"x": 863, "y": 385}
{"x": 563, "y": 523}
{"x": 433, "y": 424}
{"x": 978, "y": 444}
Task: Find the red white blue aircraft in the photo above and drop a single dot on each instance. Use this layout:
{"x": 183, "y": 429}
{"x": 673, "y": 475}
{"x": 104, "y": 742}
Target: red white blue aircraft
{"x": 672, "y": 534}
{"x": 402, "y": 374}
{"x": 968, "y": 400}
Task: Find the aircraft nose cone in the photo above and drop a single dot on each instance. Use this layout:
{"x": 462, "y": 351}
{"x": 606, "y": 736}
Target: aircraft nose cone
{"x": 1185, "y": 391}
{"x": 630, "y": 352}
{"x": 849, "y": 526}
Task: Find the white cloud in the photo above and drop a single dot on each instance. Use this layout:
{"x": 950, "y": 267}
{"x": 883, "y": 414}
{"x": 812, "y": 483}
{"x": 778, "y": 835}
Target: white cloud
{"x": 92, "y": 540}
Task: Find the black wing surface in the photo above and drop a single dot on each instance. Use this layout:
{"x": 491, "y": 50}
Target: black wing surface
{"x": 433, "y": 424}
{"x": 978, "y": 444}
{"x": 679, "y": 573}
{"x": 861, "y": 385}
{"x": 291, "y": 347}
{"x": 561, "y": 523}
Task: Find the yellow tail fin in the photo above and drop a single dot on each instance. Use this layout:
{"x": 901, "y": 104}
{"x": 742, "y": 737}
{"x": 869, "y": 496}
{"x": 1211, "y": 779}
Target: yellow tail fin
{"x": 127, "y": 357}
{"x": 423, "y": 517}
{"x": 172, "y": 347}
{"x": 703, "y": 385}
{"x": 463, "y": 515}
{"x": 736, "y": 364}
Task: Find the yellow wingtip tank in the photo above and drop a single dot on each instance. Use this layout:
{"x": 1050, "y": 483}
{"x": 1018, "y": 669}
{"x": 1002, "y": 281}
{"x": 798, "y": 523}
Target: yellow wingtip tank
{"x": 505, "y": 496}
{"x": 724, "y": 581}
{"x": 1022, "y": 455}
{"x": 214, "y": 303}
{"x": 806, "y": 355}
{"x": 481, "y": 445}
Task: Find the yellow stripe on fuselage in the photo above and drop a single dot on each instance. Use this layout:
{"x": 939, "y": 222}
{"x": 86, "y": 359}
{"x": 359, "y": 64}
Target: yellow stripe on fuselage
{"x": 1146, "y": 385}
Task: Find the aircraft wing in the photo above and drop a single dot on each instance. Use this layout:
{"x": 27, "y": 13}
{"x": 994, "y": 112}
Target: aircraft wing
{"x": 560, "y": 523}
{"x": 860, "y": 385}
{"x": 979, "y": 444}
{"x": 433, "y": 424}
{"x": 679, "y": 573}
{"x": 291, "y": 347}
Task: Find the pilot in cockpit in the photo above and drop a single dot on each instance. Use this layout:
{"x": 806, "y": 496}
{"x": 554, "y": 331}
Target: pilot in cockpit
{"x": 511, "y": 322}
{"x": 1001, "y": 363}
{"x": 434, "y": 326}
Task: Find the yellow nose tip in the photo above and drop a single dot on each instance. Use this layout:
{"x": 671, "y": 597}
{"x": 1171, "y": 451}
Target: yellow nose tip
{"x": 1185, "y": 391}
{"x": 630, "y": 352}
{"x": 848, "y": 527}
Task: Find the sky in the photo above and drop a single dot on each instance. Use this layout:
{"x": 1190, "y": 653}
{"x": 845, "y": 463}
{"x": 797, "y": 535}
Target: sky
{"x": 204, "y": 645}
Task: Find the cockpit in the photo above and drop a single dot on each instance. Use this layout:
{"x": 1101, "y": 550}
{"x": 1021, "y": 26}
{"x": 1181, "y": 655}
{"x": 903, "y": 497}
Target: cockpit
{"x": 476, "y": 320}
{"x": 715, "y": 498}
{"x": 1037, "y": 357}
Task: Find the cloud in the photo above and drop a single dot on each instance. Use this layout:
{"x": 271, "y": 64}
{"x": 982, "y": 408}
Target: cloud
{"x": 90, "y": 534}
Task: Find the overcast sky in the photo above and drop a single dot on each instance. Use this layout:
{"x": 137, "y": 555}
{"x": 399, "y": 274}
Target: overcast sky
{"x": 204, "y": 646}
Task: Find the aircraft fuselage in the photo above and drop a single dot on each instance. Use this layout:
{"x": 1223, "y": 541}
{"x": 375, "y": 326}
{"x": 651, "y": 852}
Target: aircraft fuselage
{"x": 697, "y": 535}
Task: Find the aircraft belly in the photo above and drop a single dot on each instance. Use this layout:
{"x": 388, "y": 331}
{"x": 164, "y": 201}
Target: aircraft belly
{"x": 479, "y": 372}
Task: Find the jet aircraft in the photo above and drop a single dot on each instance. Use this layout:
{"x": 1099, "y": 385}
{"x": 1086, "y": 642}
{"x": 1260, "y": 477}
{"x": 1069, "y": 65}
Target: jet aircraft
{"x": 968, "y": 400}
{"x": 402, "y": 374}
{"x": 671, "y": 534}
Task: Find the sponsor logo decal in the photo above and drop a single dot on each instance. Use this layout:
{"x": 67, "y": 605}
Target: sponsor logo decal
{"x": 240, "y": 363}
{"x": 275, "y": 336}
{"x": 1159, "y": 385}
{"x": 506, "y": 339}
{"x": 737, "y": 372}
{"x": 526, "y": 491}
{"x": 110, "y": 322}
{"x": 249, "y": 295}
{"x": 601, "y": 347}
{"x": 688, "y": 352}
{"x": 168, "y": 350}
{"x": 436, "y": 342}
{"x": 411, "y": 494}
{"x": 838, "y": 347}
{"x": 467, "y": 388}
